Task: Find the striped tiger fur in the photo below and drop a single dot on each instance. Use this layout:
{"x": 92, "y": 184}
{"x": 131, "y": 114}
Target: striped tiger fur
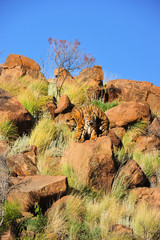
{"x": 90, "y": 122}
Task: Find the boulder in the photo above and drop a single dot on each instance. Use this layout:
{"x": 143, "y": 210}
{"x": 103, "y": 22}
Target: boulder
{"x": 119, "y": 131}
{"x": 63, "y": 105}
{"x": 62, "y": 117}
{"x": 21, "y": 165}
{"x": 151, "y": 140}
{"x": 59, "y": 203}
{"x": 150, "y": 196}
{"x": 154, "y": 128}
{"x": 147, "y": 143}
{"x": 114, "y": 138}
{"x": 61, "y": 74}
{"x": 133, "y": 175}
{"x": 32, "y": 154}
{"x": 9, "y": 235}
{"x": 37, "y": 189}
{"x": 19, "y": 65}
{"x": 92, "y": 76}
{"x": 122, "y": 230}
{"x": 139, "y": 91}
{"x": 4, "y": 148}
{"x": 92, "y": 162}
{"x": 128, "y": 113}
{"x": 12, "y": 109}
{"x": 51, "y": 108}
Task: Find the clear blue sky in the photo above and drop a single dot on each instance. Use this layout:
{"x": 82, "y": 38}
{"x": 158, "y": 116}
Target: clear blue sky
{"x": 123, "y": 35}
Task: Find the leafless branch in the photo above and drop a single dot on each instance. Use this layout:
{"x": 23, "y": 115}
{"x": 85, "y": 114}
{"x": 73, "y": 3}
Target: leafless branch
{"x": 4, "y": 179}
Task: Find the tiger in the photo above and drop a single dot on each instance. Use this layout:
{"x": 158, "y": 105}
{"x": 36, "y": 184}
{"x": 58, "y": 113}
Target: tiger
{"x": 90, "y": 122}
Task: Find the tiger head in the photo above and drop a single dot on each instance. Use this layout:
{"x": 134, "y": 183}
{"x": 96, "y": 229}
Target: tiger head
{"x": 90, "y": 118}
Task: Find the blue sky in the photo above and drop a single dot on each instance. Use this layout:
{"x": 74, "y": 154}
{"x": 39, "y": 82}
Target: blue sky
{"x": 123, "y": 35}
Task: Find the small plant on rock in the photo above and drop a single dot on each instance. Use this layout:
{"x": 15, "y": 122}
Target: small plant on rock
{"x": 105, "y": 106}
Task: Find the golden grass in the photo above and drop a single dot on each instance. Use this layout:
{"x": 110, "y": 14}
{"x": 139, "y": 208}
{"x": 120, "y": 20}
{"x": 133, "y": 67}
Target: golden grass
{"x": 8, "y": 129}
{"x": 146, "y": 222}
{"x": 32, "y": 101}
{"x": 43, "y": 133}
{"x": 149, "y": 162}
{"x": 76, "y": 93}
{"x": 11, "y": 86}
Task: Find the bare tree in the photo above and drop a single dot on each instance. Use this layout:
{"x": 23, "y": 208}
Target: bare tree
{"x": 4, "y": 179}
{"x": 65, "y": 55}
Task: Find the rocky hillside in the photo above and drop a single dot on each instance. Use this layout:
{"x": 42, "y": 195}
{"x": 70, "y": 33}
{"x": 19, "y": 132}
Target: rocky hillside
{"x": 56, "y": 188}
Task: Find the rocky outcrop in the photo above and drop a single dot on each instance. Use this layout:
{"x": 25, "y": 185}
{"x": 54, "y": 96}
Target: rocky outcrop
{"x": 150, "y": 196}
{"x": 92, "y": 162}
{"x": 132, "y": 175}
{"x": 11, "y": 109}
{"x": 19, "y": 65}
{"x": 92, "y": 76}
{"x": 128, "y": 113}
{"x": 37, "y": 189}
{"x": 129, "y": 90}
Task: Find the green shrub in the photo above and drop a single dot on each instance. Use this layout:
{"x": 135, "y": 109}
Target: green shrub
{"x": 36, "y": 223}
{"x": 12, "y": 213}
{"x": 105, "y": 106}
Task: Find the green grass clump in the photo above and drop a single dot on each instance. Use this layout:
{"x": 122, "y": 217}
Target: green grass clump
{"x": 32, "y": 101}
{"x": 119, "y": 188}
{"x": 48, "y": 160}
{"x": 8, "y": 129}
{"x": 12, "y": 213}
{"x": 149, "y": 162}
{"x": 39, "y": 87}
{"x": 43, "y": 133}
{"x": 105, "y": 106}
{"x": 34, "y": 97}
